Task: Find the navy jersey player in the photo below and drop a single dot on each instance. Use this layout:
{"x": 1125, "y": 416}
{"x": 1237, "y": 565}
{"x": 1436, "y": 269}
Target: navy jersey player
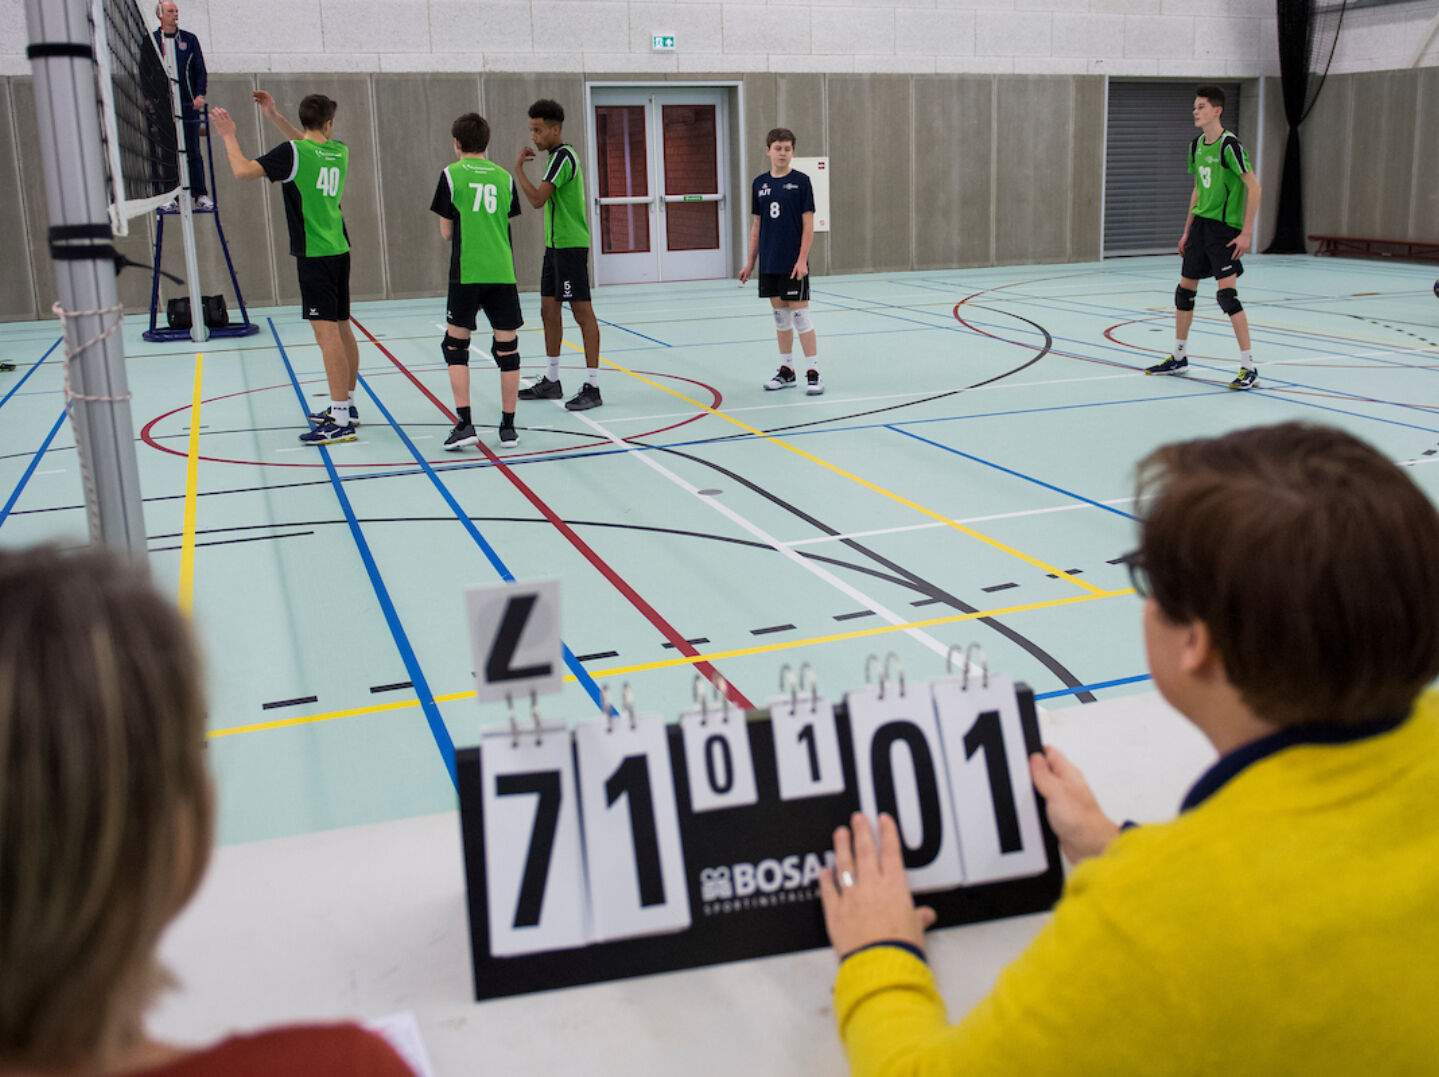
{"x": 780, "y": 234}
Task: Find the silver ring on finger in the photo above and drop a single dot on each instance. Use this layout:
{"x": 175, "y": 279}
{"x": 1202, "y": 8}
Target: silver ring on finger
{"x": 846, "y": 880}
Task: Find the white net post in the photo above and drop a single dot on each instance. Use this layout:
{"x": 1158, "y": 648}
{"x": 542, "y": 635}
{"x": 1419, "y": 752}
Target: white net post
{"x": 97, "y": 395}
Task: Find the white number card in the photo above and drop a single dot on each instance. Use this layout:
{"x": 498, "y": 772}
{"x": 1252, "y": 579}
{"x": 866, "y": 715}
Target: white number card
{"x": 806, "y": 747}
{"x": 634, "y": 861}
{"x": 534, "y": 870}
{"x": 718, "y": 760}
{"x": 899, "y": 765}
{"x": 994, "y": 802}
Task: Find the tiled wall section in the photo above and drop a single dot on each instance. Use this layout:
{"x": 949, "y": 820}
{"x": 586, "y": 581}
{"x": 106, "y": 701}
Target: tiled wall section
{"x": 1180, "y": 38}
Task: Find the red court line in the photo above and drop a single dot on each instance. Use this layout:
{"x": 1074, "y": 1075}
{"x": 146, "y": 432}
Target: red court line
{"x": 670, "y": 633}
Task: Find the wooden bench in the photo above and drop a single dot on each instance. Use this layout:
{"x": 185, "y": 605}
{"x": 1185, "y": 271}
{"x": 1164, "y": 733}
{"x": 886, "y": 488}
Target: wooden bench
{"x": 1376, "y": 248}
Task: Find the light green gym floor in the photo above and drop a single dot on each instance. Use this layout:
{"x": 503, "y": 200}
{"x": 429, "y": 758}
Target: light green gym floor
{"x": 965, "y": 478}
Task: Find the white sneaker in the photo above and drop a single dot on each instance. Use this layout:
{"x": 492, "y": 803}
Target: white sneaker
{"x": 170, "y": 207}
{"x": 204, "y": 202}
{"x": 784, "y": 379}
{"x": 814, "y": 385}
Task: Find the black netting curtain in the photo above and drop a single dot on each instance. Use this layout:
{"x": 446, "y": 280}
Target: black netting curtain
{"x": 1308, "y": 33}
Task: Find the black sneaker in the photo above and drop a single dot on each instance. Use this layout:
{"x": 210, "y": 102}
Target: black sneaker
{"x": 509, "y": 437}
{"x": 784, "y": 379}
{"x": 462, "y": 436}
{"x": 813, "y": 383}
{"x": 327, "y": 432}
{"x": 544, "y": 389}
{"x": 1169, "y": 366}
{"x": 588, "y": 397}
{"x": 324, "y": 416}
{"x": 1247, "y": 378}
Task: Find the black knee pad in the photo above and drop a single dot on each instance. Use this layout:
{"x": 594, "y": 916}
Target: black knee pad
{"x": 456, "y": 350}
{"x": 506, "y": 353}
{"x": 1228, "y": 299}
{"x": 1184, "y": 298}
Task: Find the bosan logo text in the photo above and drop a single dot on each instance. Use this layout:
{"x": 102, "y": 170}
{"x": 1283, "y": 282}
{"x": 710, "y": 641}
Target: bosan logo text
{"x": 769, "y": 876}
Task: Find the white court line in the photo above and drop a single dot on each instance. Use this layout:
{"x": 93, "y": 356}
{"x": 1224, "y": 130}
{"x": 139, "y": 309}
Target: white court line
{"x": 54, "y": 471}
{"x": 968, "y": 520}
{"x": 872, "y": 399}
{"x": 296, "y": 448}
{"x": 646, "y": 458}
{"x": 1419, "y": 460}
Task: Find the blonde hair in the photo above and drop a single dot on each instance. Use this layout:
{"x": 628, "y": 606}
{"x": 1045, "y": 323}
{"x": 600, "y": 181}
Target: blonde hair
{"x": 105, "y": 805}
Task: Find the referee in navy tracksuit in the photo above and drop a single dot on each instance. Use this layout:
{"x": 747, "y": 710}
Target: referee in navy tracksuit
{"x": 190, "y": 67}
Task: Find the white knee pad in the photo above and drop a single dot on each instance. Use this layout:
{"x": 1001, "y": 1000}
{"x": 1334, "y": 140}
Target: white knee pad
{"x": 783, "y": 319}
{"x": 802, "y": 324}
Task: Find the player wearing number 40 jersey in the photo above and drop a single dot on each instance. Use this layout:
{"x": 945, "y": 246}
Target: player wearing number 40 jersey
{"x": 780, "y": 234}
{"x": 1217, "y": 233}
{"x": 311, "y": 167}
{"x": 475, "y": 199}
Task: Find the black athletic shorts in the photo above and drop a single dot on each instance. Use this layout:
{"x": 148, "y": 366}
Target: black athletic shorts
{"x": 1208, "y": 253}
{"x": 325, "y": 287}
{"x": 565, "y": 274}
{"x": 500, "y": 302}
{"x": 783, "y": 286}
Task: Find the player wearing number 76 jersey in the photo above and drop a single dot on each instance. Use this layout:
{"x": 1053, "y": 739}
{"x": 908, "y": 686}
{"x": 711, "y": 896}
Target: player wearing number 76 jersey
{"x": 311, "y": 167}
{"x": 475, "y": 199}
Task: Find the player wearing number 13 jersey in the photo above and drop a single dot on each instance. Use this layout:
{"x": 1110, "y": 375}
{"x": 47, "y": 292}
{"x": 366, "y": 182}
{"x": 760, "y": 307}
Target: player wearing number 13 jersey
{"x": 312, "y": 168}
{"x": 475, "y": 199}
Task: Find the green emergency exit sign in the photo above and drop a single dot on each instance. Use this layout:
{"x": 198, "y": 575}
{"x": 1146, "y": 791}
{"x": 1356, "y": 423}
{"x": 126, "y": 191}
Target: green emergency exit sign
{"x": 662, "y": 42}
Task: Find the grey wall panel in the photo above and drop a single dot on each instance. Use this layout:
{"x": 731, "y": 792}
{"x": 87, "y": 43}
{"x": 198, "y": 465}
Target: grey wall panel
{"x": 871, "y": 196}
{"x": 1271, "y": 161}
{"x": 1325, "y": 158}
{"x": 506, "y": 101}
{"x": 32, "y": 178}
{"x": 17, "y": 281}
{"x": 761, "y": 105}
{"x": 1424, "y": 211}
{"x": 1381, "y": 152}
{"x": 354, "y": 126}
{"x": 954, "y": 139}
{"x": 1035, "y": 158}
{"x": 800, "y": 105}
{"x": 1086, "y": 184}
{"x": 413, "y": 114}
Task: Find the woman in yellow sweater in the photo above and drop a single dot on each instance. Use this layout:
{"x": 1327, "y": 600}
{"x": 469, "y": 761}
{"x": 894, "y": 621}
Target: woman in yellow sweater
{"x": 1287, "y": 922}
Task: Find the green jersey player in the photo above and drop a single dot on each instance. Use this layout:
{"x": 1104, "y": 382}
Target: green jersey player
{"x": 1217, "y": 233}
{"x": 475, "y": 199}
{"x": 312, "y": 168}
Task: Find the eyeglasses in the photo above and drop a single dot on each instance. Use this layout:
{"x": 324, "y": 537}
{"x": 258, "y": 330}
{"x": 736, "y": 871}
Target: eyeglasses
{"x": 1138, "y": 576}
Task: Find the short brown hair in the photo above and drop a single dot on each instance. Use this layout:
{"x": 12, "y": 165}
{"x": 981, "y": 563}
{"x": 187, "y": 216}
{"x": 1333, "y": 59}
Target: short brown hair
{"x": 778, "y": 134}
{"x": 1213, "y": 94}
{"x": 1312, "y": 560}
{"x": 472, "y": 132}
{"x": 105, "y": 804}
{"x": 316, "y": 110}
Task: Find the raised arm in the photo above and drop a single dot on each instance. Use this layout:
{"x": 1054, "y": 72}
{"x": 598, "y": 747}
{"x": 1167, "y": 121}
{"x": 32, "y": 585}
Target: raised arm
{"x": 223, "y": 124}
{"x": 536, "y": 195}
{"x": 272, "y": 113}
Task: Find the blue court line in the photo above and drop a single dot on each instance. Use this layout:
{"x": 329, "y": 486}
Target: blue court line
{"x": 581, "y": 674}
{"x": 1092, "y": 687}
{"x": 30, "y": 470}
{"x": 397, "y": 630}
{"x": 33, "y": 367}
{"x": 1016, "y": 474}
{"x": 633, "y": 332}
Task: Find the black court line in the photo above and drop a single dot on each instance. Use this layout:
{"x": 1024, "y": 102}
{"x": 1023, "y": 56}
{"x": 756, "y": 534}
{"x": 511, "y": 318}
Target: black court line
{"x": 854, "y": 616}
{"x": 231, "y": 542}
{"x": 288, "y": 702}
{"x": 596, "y": 656}
{"x": 925, "y": 602}
{"x": 771, "y": 628}
{"x": 1068, "y": 572}
{"x": 377, "y": 689}
{"x": 692, "y": 642}
{"x": 998, "y": 587}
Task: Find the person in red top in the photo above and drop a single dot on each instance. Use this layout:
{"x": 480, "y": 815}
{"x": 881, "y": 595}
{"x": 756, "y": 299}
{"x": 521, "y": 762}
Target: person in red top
{"x": 106, "y": 824}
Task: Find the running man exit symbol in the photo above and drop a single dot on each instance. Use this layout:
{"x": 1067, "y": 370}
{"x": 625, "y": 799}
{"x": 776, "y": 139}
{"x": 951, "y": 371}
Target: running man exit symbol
{"x": 515, "y": 639}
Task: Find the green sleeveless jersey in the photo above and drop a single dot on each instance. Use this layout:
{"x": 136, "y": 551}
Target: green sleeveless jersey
{"x": 313, "y": 174}
{"x": 565, "y": 211}
{"x": 1218, "y": 168}
{"x": 480, "y": 198}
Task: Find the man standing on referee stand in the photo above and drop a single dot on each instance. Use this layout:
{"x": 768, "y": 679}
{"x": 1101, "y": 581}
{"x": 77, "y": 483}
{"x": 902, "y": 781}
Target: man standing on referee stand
{"x": 311, "y": 167}
{"x": 1218, "y": 232}
{"x": 190, "y": 69}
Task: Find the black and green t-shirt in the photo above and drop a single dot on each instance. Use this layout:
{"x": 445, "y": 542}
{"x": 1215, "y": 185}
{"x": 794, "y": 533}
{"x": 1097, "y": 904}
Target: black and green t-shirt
{"x": 565, "y": 210}
{"x": 480, "y": 197}
{"x": 313, "y": 174}
{"x": 1218, "y": 168}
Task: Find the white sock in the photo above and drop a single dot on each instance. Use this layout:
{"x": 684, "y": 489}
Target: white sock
{"x": 786, "y": 359}
{"x": 592, "y": 376}
{"x": 340, "y": 412}
{"x": 1180, "y": 347}
{"x": 553, "y": 373}
{"x": 350, "y": 400}
{"x": 1247, "y": 359}
{"x": 812, "y": 361}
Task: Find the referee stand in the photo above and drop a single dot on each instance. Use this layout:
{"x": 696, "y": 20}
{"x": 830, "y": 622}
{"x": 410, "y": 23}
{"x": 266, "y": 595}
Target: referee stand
{"x": 244, "y": 327}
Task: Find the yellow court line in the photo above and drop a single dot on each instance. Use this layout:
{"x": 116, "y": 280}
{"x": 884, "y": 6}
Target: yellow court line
{"x": 682, "y": 660}
{"x": 192, "y": 474}
{"x": 900, "y": 498}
